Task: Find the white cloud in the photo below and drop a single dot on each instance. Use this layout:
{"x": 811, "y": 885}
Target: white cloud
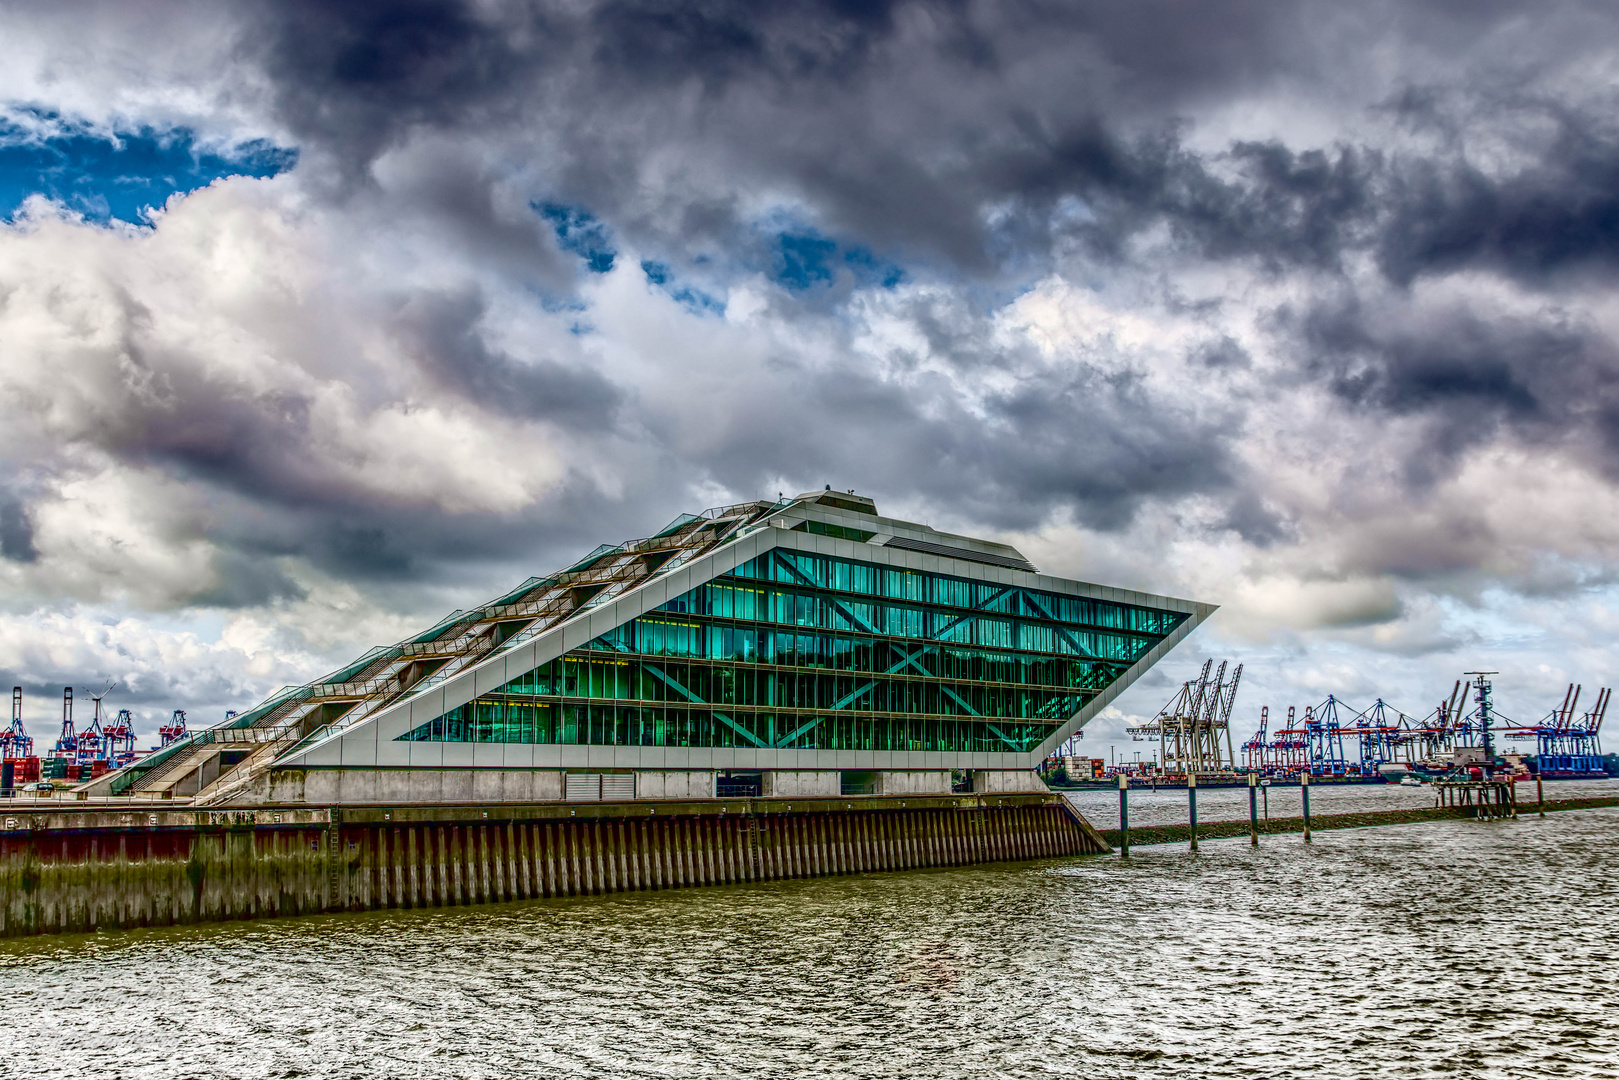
{"x": 183, "y": 406}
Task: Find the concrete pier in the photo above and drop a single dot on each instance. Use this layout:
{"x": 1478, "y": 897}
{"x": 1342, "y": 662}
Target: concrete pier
{"x": 82, "y": 870}
{"x": 1141, "y": 836}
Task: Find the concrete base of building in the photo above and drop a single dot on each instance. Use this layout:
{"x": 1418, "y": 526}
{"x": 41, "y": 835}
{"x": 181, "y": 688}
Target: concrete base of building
{"x": 434, "y": 787}
{"x": 65, "y": 871}
{"x": 1007, "y": 781}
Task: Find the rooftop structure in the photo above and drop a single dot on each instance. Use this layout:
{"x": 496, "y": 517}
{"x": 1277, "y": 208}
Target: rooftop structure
{"x": 808, "y": 646}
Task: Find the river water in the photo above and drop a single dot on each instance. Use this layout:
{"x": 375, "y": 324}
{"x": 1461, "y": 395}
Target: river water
{"x": 1447, "y": 949}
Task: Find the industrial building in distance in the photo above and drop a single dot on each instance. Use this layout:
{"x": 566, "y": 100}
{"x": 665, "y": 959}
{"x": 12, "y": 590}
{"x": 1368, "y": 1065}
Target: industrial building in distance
{"x": 798, "y": 648}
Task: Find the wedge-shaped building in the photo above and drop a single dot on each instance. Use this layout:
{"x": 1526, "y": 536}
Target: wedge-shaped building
{"x": 806, "y": 647}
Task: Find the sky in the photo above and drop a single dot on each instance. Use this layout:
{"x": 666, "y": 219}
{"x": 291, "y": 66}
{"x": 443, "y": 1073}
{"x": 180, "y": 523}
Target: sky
{"x": 320, "y": 320}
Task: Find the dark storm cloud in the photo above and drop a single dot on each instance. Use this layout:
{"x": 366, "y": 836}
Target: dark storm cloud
{"x": 977, "y": 146}
{"x": 1101, "y": 447}
{"x": 444, "y": 186}
{"x": 901, "y": 123}
{"x": 442, "y": 331}
{"x": 410, "y": 549}
{"x": 354, "y": 76}
{"x": 1557, "y": 215}
{"x": 254, "y": 456}
{"x": 258, "y": 445}
{"x": 244, "y": 578}
{"x": 16, "y": 530}
{"x": 1471, "y": 374}
{"x": 856, "y": 105}
{"x": 1077, "y": 441}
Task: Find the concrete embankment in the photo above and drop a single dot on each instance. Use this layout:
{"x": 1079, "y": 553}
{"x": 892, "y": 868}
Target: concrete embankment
{"x": 63, "y": 871}
{"x": 1214, "y": 830}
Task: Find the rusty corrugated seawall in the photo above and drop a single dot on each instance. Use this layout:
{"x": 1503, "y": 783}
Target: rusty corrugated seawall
{"x": 64, "y": 871}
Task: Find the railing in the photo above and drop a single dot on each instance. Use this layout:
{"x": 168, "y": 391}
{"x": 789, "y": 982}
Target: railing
{"x": 246, "y": 735}
{"x": 714, "y": 513}
{"x": 250, "y": 769}
{"x": 552, "y": 606}
{"x": 738, "y": 787}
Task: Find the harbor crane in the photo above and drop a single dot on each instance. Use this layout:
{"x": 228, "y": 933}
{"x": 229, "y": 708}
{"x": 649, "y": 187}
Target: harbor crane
{"x": 1567, "y": 742}
{"x": 174, "y": 730}
{"x": 14, "y": 740}
{"x": 67, "y": 743}
{"x": 1256, "y": 754}
{"x": 1190, "y": 729}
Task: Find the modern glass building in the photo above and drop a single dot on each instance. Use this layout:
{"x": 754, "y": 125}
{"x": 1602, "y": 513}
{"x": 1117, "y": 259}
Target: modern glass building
{"x": 805, "y": 647}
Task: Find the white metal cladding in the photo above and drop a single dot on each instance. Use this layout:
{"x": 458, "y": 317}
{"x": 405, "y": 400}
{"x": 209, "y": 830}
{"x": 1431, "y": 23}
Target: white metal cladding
{"x": 374, "y": 741}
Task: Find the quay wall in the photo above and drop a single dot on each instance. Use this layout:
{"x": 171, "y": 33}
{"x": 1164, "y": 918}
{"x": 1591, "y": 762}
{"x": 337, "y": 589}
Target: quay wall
{"x": 1144, "y": 836}
{"x": 82, "y": 870}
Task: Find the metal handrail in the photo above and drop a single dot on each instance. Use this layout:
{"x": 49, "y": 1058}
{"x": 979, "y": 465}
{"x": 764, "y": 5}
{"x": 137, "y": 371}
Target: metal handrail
{"x": 247, "y": 735}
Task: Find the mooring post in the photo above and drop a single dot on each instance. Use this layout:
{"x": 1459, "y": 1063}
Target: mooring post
{"x": 1304, "y": 792}
{"x": 1540, "y": 794}
{"x": 1253, "y": 809}
{"x": 1124, "y": 814}
{"x": 1191, "y": 801}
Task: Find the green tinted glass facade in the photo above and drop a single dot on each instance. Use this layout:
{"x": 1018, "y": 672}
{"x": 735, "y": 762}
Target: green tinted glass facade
{"x": 806, "y": 652}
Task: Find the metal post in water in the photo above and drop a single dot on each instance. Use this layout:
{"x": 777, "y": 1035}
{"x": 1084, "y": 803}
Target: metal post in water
{"x": 1540, "y": 792}
{"x": 1124, "y": 814}
{"x": 1253, "y": 809}
{"x": 1304, "y": 792}
{"x": 1191, "y": 799}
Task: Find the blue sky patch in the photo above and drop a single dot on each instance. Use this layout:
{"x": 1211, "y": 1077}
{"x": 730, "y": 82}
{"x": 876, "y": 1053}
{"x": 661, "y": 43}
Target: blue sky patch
{"x": 694, "y": 300}
{"x": 121, "y": 176}
{"x": 579, "y": 231}
{"x": 806, "y": 260}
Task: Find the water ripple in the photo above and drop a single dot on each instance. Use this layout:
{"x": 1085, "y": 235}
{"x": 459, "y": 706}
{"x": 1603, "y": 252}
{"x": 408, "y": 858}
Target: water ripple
{"x": 1453, "y": 949}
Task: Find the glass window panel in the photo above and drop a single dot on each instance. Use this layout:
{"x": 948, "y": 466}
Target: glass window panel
{"x": 875, "y": 656}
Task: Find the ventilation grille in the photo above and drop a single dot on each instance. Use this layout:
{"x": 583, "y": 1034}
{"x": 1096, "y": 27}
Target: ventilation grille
{"x": 582, "y": 787}
{"x": 961, "y": 553}
{"x": 598, "y": 787}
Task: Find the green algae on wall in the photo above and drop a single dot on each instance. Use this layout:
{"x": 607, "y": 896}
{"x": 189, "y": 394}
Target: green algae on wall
{"x": 66, "y": 872}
